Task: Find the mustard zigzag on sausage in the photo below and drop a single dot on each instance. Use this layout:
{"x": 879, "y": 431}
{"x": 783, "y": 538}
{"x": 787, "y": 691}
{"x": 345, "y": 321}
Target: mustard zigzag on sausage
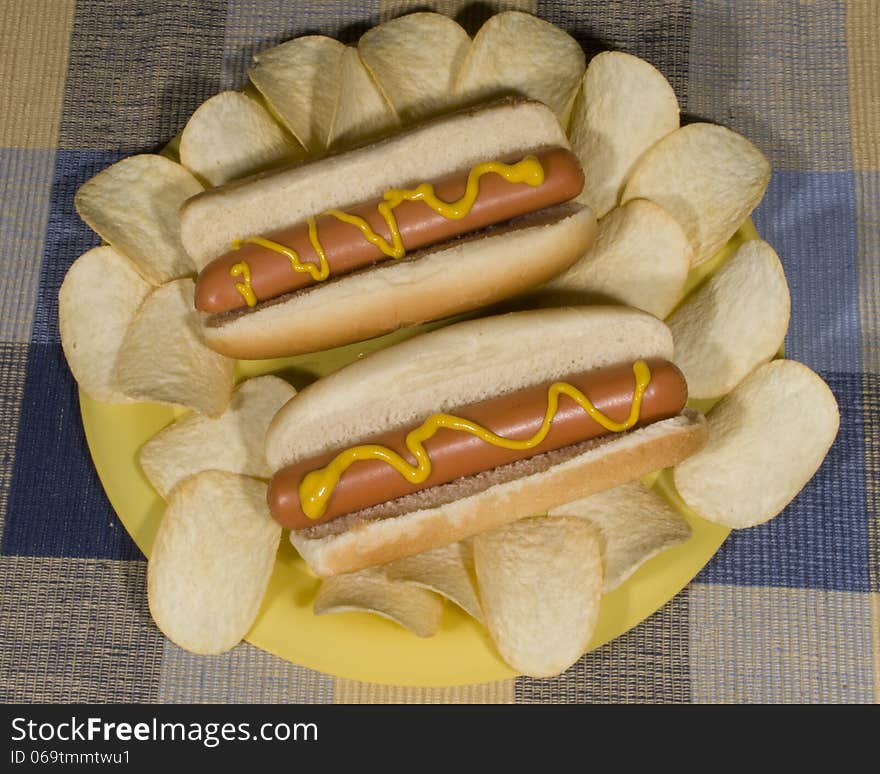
{"x": 317, "y": 486}
{"x": 337, "y": 242}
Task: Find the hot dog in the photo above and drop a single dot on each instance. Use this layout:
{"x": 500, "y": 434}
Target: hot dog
{"x": 455, "y": 453}
{"x": 484, "y": 422}
{"x": 443, "y": 218}
{"x": 499, "y": 191}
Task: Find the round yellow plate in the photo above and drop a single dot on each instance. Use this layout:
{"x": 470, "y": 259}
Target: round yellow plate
{"x": 357, "y": 645}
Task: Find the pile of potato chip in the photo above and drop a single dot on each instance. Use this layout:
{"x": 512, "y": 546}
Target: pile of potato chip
{"x": 669, "y": 198}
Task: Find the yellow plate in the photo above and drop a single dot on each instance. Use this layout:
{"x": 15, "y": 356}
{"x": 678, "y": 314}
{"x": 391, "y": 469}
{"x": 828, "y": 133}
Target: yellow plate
{"x": 357, "y": 645}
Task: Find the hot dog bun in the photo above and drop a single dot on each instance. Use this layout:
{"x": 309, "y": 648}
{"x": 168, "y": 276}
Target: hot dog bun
{"x": 446, "y": 279}
{"x": 462, "y": 364}
{"x": 487, "y": 269}
{"x": 264, "y": 203}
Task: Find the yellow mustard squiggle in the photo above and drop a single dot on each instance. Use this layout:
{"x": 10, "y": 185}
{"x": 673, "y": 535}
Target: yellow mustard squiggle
{"x": 241, "y": 269}
{"x": 317, "y": 486}
{"x": 528, "y": 171}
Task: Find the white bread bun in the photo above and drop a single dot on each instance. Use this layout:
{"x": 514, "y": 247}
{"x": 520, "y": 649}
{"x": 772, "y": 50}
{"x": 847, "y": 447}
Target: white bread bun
{"x": 273, "y": 200}
{"x": 375, "y": 541}
{"x": 454, "y": 277}
{"x": 454, "y": 366}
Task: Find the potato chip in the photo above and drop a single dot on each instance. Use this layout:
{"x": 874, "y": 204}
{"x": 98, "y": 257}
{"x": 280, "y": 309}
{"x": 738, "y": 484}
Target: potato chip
{"x": 163, "y": 359}
{"x": 540, "y": 582}
{"x": 516, "y": 53}
{"x": 231, "y": 135}
{"x": 624, "y": 106}
{"x": 211, "y": 561}
{"x": 300, "y": 82}
{"x": 733, "y": 322}
{"x": 635, "y": 524}
{"x": 708, "y": 178}
{"x": 232, "y": 442}
{"x": 417, "y": 79}
{"x": 98, "y": 299}
{"x": 371, "y": 591}
{"x": 766, "y": 440}
{"x": 361, "y": 111}
{"x": 640, "y": 258}
{"x": 448, "y": 570}
{"x": 134, "y": 205}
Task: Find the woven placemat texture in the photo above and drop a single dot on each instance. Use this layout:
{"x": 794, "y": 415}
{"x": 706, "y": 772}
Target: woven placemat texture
{"x": 785, "y": 612}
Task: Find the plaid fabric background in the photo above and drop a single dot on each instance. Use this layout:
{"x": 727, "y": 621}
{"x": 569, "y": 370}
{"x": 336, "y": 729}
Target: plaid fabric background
{"x": 785, "y": 612}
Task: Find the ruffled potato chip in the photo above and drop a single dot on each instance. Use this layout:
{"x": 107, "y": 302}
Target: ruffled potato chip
{"x": 361, "y": 111}
{"x": 640, "y": 258}
{"x": 417, "y": 79}
{"x": 766, "y": 440}
{"x": 300, "y": 82}
{"x": 708, "y": 178}
{"x": 372, "y": 591}
{"x": 134, "y": 206}
{"x": 231, "y": 135}
{"x": 98, "y": 300}
{"x": 448, "y": 570}
{"x": 232, "y": 442}
{"x": 517, "y": 53}
{"x": 733, "y": 322}
{"x": 211, "y": 561}
{"x": 624, "y": 106}
{"x": 635, "y": 524}
{"x": 540, "y": 582}
{"x": 163, "y": 359}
